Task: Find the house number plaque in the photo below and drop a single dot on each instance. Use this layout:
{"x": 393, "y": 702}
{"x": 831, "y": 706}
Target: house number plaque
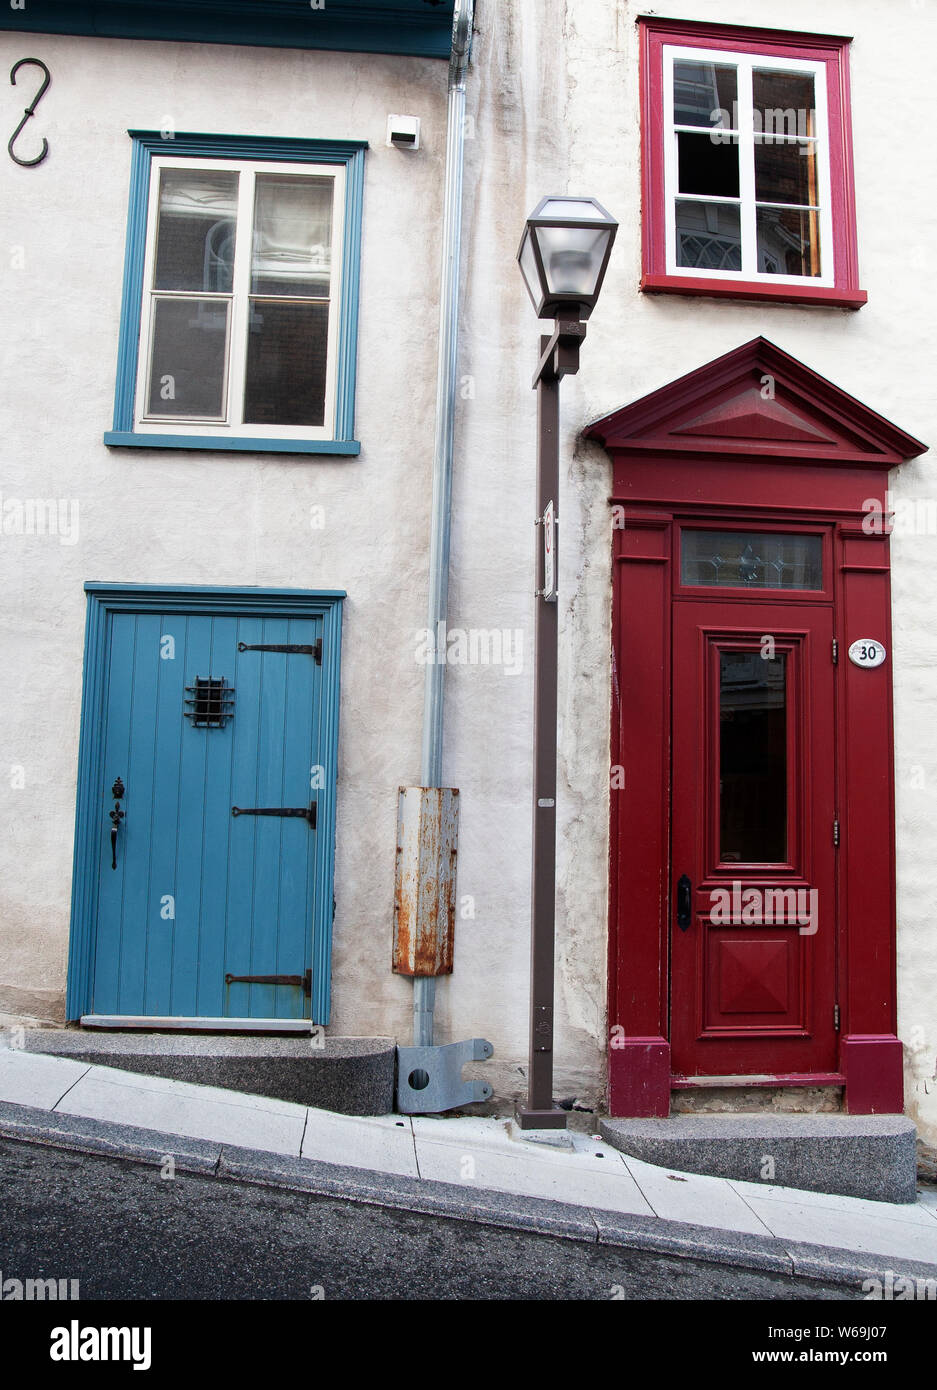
{"x": 865, "y": 651}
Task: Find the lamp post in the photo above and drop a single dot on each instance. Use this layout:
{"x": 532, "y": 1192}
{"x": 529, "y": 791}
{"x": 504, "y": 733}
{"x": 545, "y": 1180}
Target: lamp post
{"x": 563, "y": 256}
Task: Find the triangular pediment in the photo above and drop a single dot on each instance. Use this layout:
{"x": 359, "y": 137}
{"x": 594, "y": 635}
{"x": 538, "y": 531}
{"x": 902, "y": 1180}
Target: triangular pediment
{"x": 756, "y": 400}
{"x": 753, "y": 416}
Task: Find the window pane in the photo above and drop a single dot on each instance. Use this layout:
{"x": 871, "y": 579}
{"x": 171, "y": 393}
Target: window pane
{"x": 708, "y": 164}
{"x": 784, "y": 102}
{"x": 286, "y": 360}
{"x": 188, "y": 361}
{"x": 709, "y": 235}
{"x": 292, "y": 251}
{"x": 788, "y": 241}
{"x": 196, "y": 230}
{"x": 786, "y": 171}
{"x": 705, "y": 94}
{"x": 755, "y": 559}
{"x": 752, "y": 758}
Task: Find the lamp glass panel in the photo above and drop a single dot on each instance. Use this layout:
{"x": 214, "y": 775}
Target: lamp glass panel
{"x": 570, "y": 210}
{"x": 528, "y": 264}
{"x": 572, "y": 258}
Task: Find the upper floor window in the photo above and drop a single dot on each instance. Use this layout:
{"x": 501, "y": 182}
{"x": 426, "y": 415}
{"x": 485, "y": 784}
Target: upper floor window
{"x": 239, "y": 323}
{"x": 747, "y": 164}
{"x": 240, "y": 292}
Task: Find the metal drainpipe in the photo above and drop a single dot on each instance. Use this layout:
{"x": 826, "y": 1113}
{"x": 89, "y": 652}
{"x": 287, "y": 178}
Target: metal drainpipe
{"x": 424, "y": 986}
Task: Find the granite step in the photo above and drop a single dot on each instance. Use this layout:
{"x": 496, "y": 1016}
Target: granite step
{"x": 352, "y": 1076}
{"x": 872, "y": 1156}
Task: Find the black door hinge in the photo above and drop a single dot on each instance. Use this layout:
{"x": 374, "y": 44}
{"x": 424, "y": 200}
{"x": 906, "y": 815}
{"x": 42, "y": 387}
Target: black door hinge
{"x": 836, "y": 1018}
{"x": 291, "y": 648}
{"x": 306, "y": 813}
{"x": 304, "y": 980}
{"x": 835, "y": 652}
{"x": 836, "y": 834}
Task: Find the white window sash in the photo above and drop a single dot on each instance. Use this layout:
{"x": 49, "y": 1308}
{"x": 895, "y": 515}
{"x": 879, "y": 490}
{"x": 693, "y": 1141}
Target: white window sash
{"x": 745, "y": 64}
{"x": 233, "y": 425}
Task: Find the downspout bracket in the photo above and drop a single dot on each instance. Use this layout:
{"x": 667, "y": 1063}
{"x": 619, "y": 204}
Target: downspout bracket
{"x": 429, "y": 1079}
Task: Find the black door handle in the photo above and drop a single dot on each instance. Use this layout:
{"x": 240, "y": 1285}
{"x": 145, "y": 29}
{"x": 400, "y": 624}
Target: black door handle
{"x": 684, "y": 905}
{"x": 117, "y": 815}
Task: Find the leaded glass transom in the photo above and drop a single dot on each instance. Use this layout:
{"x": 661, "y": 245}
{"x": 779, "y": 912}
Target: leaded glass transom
{"x": 751, "y": 559}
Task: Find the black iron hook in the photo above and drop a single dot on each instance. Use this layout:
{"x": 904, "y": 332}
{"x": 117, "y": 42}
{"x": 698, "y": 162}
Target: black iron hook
{"x": 30, "y": 111}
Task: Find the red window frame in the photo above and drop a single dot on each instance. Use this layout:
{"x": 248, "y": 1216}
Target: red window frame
{"x": 656, "y": 34}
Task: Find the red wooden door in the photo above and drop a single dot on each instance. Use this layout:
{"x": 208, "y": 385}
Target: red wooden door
{"x": 753, "y": 900}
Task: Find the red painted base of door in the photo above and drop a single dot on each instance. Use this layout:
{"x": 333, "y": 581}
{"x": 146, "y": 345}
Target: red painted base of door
{"x": 640, "y": 1077}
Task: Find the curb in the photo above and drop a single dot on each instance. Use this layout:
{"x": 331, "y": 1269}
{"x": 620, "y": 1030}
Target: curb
{"x": 484, "y": 1206}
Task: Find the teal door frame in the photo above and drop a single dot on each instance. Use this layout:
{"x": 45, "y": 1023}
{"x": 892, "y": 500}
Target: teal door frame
{"x": 107, "y": 599}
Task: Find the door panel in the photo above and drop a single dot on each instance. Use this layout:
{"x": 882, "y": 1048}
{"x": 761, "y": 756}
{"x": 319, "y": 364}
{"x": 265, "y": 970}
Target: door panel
{"x": 753, "y": 972}
{"x": 197, "y": 892}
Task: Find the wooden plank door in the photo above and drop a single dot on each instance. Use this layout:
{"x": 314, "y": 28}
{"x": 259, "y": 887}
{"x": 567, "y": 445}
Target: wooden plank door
{"x": 194, "y": 893}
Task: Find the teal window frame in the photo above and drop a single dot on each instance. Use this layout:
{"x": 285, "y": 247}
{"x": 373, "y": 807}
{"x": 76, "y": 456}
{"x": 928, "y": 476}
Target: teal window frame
{"x": 146, "y": 145}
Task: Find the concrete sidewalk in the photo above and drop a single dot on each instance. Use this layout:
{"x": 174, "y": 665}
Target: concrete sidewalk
{"x": 470, "y": 1168}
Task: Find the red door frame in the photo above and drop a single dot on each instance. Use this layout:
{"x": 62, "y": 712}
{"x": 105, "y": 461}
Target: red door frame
{"x": 750, "y": 438}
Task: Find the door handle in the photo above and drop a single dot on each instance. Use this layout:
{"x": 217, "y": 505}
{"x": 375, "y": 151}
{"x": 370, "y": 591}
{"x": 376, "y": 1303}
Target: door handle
{"x": 684, "y": 904}
{"x": 117, "y": 815}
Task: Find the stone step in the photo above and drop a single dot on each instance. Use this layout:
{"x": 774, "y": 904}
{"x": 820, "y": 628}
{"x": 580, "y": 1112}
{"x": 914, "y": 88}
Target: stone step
{"x": 869, "y": 1156}
{"x": 353, "y": 1076}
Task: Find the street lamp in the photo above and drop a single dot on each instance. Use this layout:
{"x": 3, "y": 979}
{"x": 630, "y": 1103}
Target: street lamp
{"x": 562, "y": 256}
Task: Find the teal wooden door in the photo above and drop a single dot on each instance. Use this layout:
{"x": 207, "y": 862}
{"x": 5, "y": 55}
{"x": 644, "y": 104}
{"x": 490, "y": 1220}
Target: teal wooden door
{"x": 208, "y": 718}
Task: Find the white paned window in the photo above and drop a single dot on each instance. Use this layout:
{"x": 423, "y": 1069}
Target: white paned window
{"x": 746, "y": 167}
{"x": 241, "y": 295}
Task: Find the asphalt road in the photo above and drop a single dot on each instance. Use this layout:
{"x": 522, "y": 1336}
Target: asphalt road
{"x": 126, "y": 1233}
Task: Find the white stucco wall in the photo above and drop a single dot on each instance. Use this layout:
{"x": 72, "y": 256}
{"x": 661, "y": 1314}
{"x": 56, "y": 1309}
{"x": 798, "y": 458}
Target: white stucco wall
{"x": 203, "y": 518}
{"x": 577, "y": 131}
{"x": 587, "y": 127}
{"x": 535, "y": 126}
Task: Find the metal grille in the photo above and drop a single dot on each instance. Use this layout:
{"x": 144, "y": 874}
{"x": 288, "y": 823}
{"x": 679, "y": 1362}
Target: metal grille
{"x": 210, "y": 701}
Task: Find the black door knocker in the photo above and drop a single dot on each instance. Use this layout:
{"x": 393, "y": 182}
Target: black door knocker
{"x": 30, "y": 111}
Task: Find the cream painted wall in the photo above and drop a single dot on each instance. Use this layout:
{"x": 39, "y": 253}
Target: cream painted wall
{"x": 582, "y": 135}
{"x": 535, "y": 125}
{"x": 168, "y": 516}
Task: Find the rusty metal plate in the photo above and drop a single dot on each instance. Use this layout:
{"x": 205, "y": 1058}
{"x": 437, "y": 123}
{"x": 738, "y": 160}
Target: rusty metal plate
{"x": 425, "y": 886}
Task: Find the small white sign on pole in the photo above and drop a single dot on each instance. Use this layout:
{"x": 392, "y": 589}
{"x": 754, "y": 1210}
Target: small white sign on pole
{"x": 549, "y": 552}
